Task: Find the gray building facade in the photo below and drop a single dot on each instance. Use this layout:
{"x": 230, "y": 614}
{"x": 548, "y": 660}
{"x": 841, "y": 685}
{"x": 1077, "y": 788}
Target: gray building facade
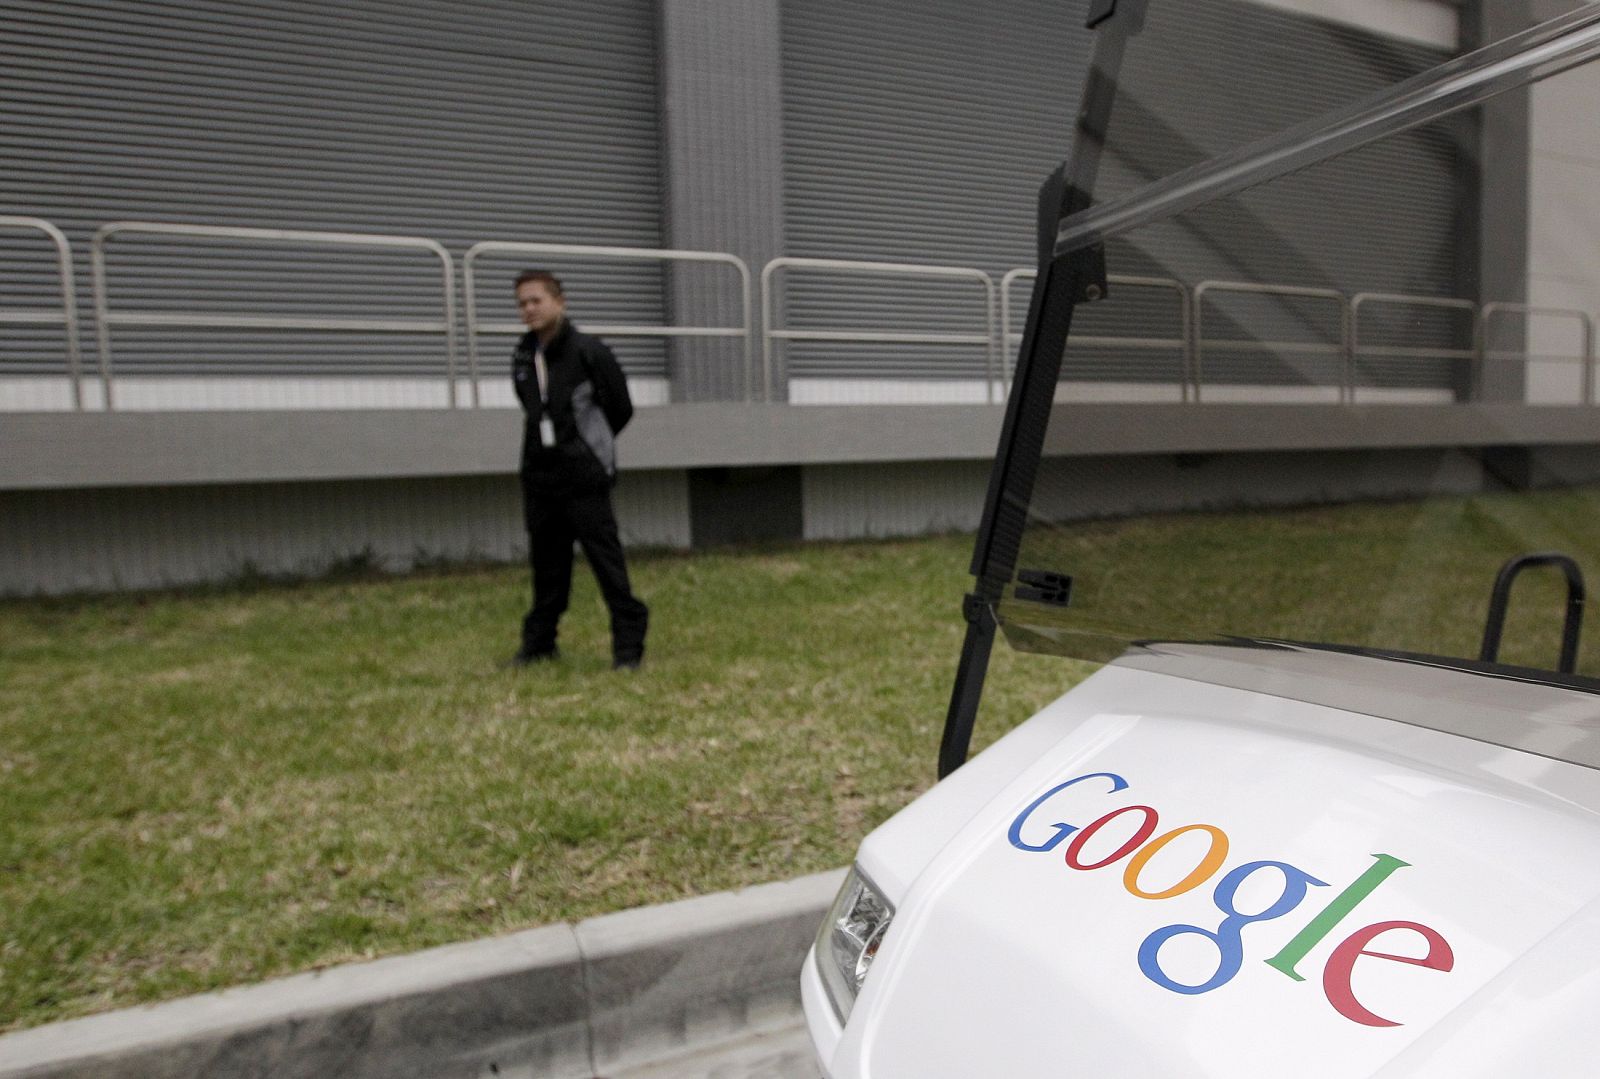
{"x": 904, "y": 132}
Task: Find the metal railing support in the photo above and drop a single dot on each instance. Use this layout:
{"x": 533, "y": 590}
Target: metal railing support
{"x": 68, "y": 315}
{"x": 1367, "y": 299}
{"x": 1011, "y": 277}
{"x": 891, "y": 269}
{"x": 1342, "y": 349}
{"x": 632, "y": 254}
{"x": 1583, "y": 318}
{"x": 105, "y": 318}
{"x": 1184, "y": 342}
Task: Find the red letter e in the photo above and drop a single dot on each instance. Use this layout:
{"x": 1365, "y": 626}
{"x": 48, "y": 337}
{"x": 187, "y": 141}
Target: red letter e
{"x": 1336, "y": 975}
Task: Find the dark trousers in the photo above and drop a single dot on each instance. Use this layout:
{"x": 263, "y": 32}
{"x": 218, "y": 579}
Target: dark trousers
{"x": 555, "y": 520}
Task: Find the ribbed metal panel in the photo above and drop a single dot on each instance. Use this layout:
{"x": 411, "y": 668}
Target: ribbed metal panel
{"x": 920, "y": 131}
{"x": 459, "y": 121}
{"x": 896, "y": 499}
{"x": 1210, "y": 75}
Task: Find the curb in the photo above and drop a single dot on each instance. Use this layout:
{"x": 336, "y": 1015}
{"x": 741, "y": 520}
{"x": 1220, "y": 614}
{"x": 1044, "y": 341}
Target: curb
{"x": 559, "y": 1002}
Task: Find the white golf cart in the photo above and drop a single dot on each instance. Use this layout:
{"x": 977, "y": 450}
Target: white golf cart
{"x": 1311, "y": 816}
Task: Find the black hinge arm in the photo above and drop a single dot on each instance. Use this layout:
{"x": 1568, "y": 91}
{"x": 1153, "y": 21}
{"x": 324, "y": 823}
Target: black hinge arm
{"x": 1062, "y": 283}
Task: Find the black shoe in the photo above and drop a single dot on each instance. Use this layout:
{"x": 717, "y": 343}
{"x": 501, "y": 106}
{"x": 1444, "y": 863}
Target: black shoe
{"x": 526, "y": 657}
{"x": 629, "y": 663}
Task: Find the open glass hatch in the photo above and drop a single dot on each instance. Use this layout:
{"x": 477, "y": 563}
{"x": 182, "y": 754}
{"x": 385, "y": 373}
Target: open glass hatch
{"x": 1308, "y": 358}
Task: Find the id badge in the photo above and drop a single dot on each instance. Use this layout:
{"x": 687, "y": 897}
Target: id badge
{"x": 547, "y": 432}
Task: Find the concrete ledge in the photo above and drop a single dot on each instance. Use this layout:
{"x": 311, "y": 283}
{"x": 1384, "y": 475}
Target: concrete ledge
{"x": 663, "y": 978}
{"x": 44, "y": 451}
{"x": 559, "y": 1002}
{"x": 54, "y": 451}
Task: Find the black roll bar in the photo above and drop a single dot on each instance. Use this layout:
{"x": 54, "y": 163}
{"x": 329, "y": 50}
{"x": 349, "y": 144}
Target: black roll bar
{"x": 1500, "y": 598}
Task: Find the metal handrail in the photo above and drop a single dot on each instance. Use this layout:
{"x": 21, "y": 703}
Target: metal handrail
{"x": 1342, "y": 349}
{"x": 1184, "y": 344}
{"x": 1495, "y": 307}
{"x": 1362, "y": 299}
{"x": 105, "y": 318}
{"x": 903, "y": 269}
{"x": 68, "y": 315}
{"x": 1192, "y": 343}
{"x": 640, "y": 254}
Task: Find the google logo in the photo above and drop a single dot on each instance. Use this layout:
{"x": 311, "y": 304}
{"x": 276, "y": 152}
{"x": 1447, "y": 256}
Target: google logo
{"x": 1139, "y": 849}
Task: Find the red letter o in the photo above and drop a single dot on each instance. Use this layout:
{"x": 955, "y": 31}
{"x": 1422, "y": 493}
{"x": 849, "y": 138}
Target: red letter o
{"x": 1145, "y": 831}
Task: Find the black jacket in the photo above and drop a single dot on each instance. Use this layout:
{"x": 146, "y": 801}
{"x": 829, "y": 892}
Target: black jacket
{"x": 588, "y": 404}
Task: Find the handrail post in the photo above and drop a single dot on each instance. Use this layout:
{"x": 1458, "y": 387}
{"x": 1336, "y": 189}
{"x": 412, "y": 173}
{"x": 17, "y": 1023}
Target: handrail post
{"x": 449, "y": 269}
{"x": 469, "y": 293}
{"x": 766, "y": 319}
{"x": 1347, "y": 354}
{"x": 1188, "y": 356}
{"x": 69, "y": 296}
{"x": 1355, "y": 342}
{"x": 992, "y": 368}
{"x": 1010, "y": 278}
{"x": 1477, "y": 377}
{"x": 102, "y": 312}
{"x": 749, "y": 343}
{"x": 1588, "y": 358}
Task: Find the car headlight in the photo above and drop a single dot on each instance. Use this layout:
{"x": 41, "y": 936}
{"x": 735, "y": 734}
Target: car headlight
{"x": 849, "y": 939}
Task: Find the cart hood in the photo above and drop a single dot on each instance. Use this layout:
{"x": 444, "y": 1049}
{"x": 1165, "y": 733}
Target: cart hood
{"x": 1165, "y": 876}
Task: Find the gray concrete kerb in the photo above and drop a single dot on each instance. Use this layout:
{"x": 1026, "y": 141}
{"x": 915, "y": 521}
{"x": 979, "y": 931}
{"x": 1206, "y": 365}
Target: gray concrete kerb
{"x": 559, "y": 1002}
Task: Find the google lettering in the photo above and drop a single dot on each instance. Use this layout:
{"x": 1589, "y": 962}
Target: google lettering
{"x": 1228, "y": 935}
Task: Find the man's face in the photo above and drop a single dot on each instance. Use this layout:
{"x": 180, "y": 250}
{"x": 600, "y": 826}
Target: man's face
{"x": 539, "y": 308}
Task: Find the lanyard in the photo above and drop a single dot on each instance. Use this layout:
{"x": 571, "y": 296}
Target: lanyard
{"x": 547, "y": 426}
{"x": 542, "y": 373}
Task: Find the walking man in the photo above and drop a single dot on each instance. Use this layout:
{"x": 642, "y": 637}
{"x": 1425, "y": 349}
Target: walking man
{"x": 575, "y": 402}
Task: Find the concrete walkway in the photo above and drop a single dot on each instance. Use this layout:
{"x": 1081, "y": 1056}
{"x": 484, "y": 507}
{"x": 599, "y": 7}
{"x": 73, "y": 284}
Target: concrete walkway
{"x": 783, "y": 1053}
{"x": 707, "y": 986}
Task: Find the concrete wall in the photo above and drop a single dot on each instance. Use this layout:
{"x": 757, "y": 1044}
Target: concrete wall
{"x": 141, "y": 501}
{"x": 1564, "y": 217}
{"x": 110, "y": 539}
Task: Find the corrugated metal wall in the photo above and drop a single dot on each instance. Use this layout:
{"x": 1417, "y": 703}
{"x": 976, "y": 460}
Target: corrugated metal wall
{"x": 121, "y": 538}
{"x": 1207, "y": 76}
{"x": 495, "y": 119}
{"x": 920, "y": 132}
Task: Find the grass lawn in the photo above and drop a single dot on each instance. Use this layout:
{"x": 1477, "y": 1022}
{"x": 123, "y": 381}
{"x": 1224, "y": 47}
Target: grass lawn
{"x": 211, "y": 787}
{"x": 204, "y": 788}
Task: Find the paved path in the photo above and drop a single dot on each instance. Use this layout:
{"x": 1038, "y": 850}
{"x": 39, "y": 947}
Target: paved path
{"x": 778, "y": 1054}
